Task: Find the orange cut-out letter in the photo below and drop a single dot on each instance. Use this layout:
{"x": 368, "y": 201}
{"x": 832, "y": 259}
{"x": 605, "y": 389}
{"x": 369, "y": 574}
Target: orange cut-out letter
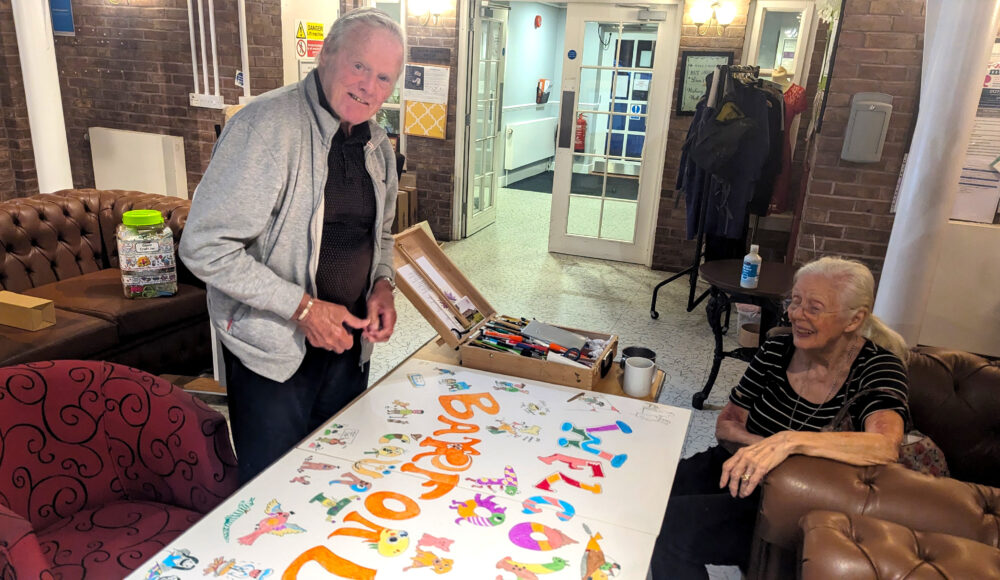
{"x": 456, "y": 427}
{"x": 457, "y": 456}
{"x": 330, "y": 562}
{"x": 376, "y": 505}
{"x": 441, "y": 482}
{"x": 469, "y": 401}
{"x": 370, "y": 534}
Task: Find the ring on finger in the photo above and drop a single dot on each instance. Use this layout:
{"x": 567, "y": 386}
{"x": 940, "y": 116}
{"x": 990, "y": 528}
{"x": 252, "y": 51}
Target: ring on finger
{"x": 746, "y": 476}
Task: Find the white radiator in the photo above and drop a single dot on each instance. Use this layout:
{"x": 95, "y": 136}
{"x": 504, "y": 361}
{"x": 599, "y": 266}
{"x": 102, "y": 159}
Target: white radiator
{"x": 146, "y": 162}
{"x": 528, "y": 142}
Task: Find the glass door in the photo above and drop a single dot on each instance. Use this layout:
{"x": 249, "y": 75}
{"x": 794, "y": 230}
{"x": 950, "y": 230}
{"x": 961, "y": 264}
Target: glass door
{"x": 489, "y": 41}
{"x": 618, "y": 70}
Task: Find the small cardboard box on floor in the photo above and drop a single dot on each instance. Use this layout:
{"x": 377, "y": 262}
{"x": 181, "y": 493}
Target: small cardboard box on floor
{"x": 418, "y": 255}
{"x": 26, "y": 312}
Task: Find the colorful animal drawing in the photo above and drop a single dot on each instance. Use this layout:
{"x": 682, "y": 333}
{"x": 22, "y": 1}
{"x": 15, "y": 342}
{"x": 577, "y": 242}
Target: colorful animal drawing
{"x": 444, "y": 371}
{"x": 430, "y": 560}
{"x": 467, "y": 511}
{"x": 430, "y": 541}
{"x": 595, "y": 565}
{"x": 333, "y": 507}
{"x": 384, "y": 467}
{"x": 386, "y": 451}
{"x": 357, "y": 484}
{"x": 401, "y": 437}
{"x": 509, "y": 387}
{"x": 308, "y": 463}
{"x": 303, "y": 479}
{"x": 392, "y": 542}
{"x": 515, "y": 429}
{"x": 524, "y": 571}
{"x": 177, "y": 560}
{"x": 274, "y": 523}
{"x": 507, "y": 483}
{"x": 233, "y": 569}
{"x": 521, "y": 535}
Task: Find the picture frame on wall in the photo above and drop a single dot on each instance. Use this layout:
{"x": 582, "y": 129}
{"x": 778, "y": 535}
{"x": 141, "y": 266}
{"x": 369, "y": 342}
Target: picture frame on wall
{"x": 695, "y": 66}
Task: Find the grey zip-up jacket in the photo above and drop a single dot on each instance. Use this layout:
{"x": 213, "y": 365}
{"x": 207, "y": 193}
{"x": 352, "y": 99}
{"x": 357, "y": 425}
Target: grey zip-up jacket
{"x": 253, "y": 233}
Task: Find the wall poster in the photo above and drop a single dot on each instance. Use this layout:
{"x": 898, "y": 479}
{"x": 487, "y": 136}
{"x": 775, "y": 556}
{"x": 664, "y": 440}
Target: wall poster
{"x": 695, "y": 66}
{"x": 425, "y": 91}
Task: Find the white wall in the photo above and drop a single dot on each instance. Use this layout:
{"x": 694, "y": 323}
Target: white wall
{"x": 532, "y": 54}
{"x": 963, "y": 311}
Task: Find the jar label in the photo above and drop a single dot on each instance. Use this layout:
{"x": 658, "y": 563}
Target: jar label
{"x": 147, "y": 247}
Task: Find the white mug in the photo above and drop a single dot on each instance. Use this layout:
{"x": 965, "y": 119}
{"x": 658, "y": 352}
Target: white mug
{"x": 638, "y": 376}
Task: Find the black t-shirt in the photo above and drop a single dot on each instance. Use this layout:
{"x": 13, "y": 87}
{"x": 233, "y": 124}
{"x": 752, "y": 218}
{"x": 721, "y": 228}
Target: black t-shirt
{"x": 766, "y": 393}
{"x": 348, "y": 242}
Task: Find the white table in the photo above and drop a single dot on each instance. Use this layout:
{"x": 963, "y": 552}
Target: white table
{"x": 399, "y": 481}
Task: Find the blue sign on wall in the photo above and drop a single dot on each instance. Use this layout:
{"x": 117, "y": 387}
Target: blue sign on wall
{"x": 571, "y": 54}
{"x": 62, "y": 18}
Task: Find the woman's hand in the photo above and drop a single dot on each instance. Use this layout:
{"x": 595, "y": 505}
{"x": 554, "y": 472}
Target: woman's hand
{"x": 744, "y": 471}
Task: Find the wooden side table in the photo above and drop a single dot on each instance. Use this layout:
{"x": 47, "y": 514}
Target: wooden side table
{"x": 724, "y": 278}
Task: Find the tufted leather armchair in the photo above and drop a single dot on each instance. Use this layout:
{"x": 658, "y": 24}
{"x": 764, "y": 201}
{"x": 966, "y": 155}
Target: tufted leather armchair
{"x": 955, "y": 399}
{"x": 62, "y": 247}
{"x": 101, "y": 466}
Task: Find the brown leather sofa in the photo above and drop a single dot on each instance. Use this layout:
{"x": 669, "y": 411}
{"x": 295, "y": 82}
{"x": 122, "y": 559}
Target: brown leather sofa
{"x": 889, "y": 517}
{"x": 62, "y": 247}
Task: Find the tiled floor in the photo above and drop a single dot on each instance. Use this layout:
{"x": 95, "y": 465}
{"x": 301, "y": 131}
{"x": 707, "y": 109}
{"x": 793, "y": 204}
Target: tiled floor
{"x": 510, "y": 265}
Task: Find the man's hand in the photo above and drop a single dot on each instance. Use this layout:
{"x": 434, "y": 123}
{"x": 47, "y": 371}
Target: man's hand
{"x": 381, "y": 313}
{"x": 326, "y": 325}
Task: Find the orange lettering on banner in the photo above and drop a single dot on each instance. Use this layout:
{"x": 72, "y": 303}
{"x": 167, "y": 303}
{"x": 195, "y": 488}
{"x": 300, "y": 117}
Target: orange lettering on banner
{"x": 483, "y": 401}
{"x": 457, "y": 455}
{"x": 441, "y": 482}
{"x": 330, "y": 562}
{"x": 376, "y": 505}
{"x": 370, "y": 534}
{"x": 456, "y": 427}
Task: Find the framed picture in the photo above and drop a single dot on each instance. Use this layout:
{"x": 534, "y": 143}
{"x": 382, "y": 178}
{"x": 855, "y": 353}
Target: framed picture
{"x": 695, "y": 66}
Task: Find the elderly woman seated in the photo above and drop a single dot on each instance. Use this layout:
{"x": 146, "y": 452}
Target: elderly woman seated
{"x": 792, "y": 390}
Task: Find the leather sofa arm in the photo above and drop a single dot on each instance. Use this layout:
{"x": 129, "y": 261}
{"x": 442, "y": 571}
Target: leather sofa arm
{"x": 19, "y": 548}
{"x": 836, "y": 545}
{"x": 890, "y": 492}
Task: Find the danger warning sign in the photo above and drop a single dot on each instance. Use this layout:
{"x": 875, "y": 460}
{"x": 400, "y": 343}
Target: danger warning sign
{"x": 308, "y": 38}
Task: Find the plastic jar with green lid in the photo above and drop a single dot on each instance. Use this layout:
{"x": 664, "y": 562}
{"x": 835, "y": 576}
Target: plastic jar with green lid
{"x": 146, "y": 255}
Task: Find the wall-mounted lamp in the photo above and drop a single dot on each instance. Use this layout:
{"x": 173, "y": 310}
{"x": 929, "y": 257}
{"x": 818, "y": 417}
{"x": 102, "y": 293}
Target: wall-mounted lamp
{"x": 429, "y": 11}
{"x": 708, "y": 13}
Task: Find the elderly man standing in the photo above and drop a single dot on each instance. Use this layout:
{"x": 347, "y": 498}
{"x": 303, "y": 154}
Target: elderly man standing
{"x": 289, "y": 229}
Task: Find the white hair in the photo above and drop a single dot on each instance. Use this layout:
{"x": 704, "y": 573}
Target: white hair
{"x": 345, "y": 26}
{"x": 855, "y": 286}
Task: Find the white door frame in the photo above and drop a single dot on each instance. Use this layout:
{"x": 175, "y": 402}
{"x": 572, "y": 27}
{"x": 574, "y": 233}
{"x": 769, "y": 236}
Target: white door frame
{"x": 467, "y": 11}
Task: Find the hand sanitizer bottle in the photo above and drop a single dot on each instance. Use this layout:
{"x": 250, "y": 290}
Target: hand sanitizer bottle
{"x": 751, "y": 268}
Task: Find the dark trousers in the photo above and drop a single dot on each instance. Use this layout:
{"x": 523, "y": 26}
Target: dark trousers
{"x": 268, "y": 418}
{"x": 703, "y": 524}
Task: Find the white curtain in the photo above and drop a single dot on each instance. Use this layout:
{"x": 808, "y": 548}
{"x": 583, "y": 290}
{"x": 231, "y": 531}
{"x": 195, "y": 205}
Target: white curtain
{"x": 958, "y": 35}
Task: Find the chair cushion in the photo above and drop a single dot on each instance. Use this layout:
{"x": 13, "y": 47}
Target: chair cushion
{"x": 72, "y": 336}
{"x": 112, "y": 540}
{"x": 100, "y": 294}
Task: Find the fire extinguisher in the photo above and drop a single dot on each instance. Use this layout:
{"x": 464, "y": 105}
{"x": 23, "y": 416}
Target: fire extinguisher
{"x": 579, "y": 144}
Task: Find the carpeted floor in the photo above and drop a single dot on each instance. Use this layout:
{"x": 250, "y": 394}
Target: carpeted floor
{"x": 583, "y": 184}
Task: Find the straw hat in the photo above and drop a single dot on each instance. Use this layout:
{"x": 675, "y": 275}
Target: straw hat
{"x": 779, "y": 75}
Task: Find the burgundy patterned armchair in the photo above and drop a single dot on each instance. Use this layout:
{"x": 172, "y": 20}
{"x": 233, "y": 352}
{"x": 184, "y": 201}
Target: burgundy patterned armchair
{"x": 101, "y": 466}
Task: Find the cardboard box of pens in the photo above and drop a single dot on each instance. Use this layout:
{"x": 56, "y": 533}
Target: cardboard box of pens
{"x": 485, "y": 339}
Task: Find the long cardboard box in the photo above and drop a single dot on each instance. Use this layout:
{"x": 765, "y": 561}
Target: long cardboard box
{"x": 26, "y": 312}
{"x": 415, "y": 249}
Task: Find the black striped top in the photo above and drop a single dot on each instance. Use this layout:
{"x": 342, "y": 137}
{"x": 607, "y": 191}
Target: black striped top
{"x": 766, "y": 393}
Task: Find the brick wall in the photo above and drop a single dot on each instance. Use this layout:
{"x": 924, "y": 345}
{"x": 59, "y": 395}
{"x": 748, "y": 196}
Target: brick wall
{"x": 433, "y": 160}
{"x": 846, "y": 209}
{"x": 129, "y": 67}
